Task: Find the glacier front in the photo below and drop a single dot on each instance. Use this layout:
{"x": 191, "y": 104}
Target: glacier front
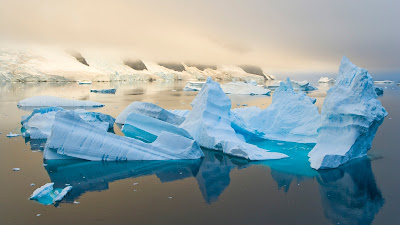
{"x": 351, "y": 115}
{"x": 209, "y": 124}
{"x": 73, "y": 137}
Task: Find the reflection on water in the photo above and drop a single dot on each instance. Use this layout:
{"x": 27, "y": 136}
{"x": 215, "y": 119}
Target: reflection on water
{"x": 349, "y": 194}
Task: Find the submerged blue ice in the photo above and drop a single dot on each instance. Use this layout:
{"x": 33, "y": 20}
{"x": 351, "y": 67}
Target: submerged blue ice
{"x": 351, "y": 115}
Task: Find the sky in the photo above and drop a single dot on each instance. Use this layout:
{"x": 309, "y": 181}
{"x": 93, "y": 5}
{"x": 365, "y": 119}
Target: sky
{"x": 285, "y": 35}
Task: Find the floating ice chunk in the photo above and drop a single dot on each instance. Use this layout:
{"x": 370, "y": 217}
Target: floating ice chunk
{"x": 179, "y": 112}
{"x": 39, "y": 123}
{"x": 326, "y": 80}
{"x": 73, "y": 137}
{"x": 62, "y": 194}
{"x": 12, "y": 135}
{"x": 151, "y": 110}
{"x": 52, "y": 101}
{"x": 209, "y": 125}
{"x": 303, "y": 85}
{"x": 147, "y": 129}
{"x": 104, "y": 91}
{"x": 241, "y": 88}
{"x": 290, "y": 117}
{"x": 351, "y": 115}
{"x": 378, "y": 90}
{"x": 383, "y": 82}
{"x": 42, "y": 191}
{"x": 193, "y": 86}
{"x": 16, "y": 169}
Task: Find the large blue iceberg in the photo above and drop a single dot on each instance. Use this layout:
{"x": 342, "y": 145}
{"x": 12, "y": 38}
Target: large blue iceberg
{"x": 72, "y": 137}
{"x": 209, "y": 124}
{"x": 351, "y": 115}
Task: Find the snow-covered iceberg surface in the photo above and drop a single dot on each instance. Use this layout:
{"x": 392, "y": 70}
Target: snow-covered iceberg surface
{"x": 38, "y": 124}
{"x": 104, "y": 91}
{"x": 151, "y": 110}
{"x": 71, "y": 136}
{"x": 326, "y": 80}
{"x": 351, "y": 115}
{"x": 52, "y": 101}
{"x": 242, "y": 88}
{"x": 291, "y": 117}
{"x": 42, "y": 191}
{"x": 147, "y": 128}
{"x": 210, "y": 126}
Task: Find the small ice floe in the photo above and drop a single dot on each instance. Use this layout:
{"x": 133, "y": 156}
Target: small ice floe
{"x": 326, "y": 80}
{"x": 42, "y": 191}
{"x": 244, "y": 104}
{"x": 62, "y": 194}
{"x": 12, "y": 135}
{"x": 32, "y": 184}
{"x": 38, "y": 214}
{"x": 135, "y": 183}
{"x": 169, "y": 197}
{"x": 104, "y": 91}
{"x": 85, "y": 82}
{"x": 75, "y": 202}
{"x": 44, "y": 164}
{"x": 173, "y": 90}
{"x": 16, "y": 169}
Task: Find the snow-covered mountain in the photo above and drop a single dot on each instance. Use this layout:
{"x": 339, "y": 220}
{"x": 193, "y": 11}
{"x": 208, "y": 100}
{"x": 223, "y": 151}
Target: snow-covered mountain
{"x": 39, "y": 64}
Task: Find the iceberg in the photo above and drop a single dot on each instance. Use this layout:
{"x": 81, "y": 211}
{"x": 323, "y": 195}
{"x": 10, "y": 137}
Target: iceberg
{"x": 326, "y": 80}
{"x": 42, "y": 191}
{"x": 351, "y": 115}
{"x": 242, "y": 88}
{"x": 39, "y": 123}
{"x": 291, "y": 117}
{"x": 12, "y": 135}
{"x": 147, "y": 128}
{"x": 193, "y": 86}
{"x": 52, "y": 101}
{"x": 104, "y": 91}
{"x": 209, "y": 124}
{"x": 303, "y": 85}
{"x": 72, "y": 137}
{"x": 151, "y": 110}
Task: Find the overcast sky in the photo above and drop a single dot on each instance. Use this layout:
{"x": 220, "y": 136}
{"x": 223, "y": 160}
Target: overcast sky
{"x": 305, "y": 35}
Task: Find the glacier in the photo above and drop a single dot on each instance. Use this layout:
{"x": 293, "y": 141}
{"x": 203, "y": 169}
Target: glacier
{"x": 52, "y": 101}
{"x": 351, "y": 115}
{"x": 72, "y": 137}
{"x": 209, "y": 124}
{"x": 38, "y": 124}
{"x": 242, "y": 88}
{"x": 149, "y": 109}
{"x": 147, "y": 128}
{"x": 291, "y": 116}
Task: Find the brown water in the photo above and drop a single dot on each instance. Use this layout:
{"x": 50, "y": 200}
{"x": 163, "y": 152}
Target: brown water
{"x": 215, "y": 190}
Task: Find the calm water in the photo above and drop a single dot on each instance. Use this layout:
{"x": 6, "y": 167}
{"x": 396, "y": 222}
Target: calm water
{"x": 214, "y": 190}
